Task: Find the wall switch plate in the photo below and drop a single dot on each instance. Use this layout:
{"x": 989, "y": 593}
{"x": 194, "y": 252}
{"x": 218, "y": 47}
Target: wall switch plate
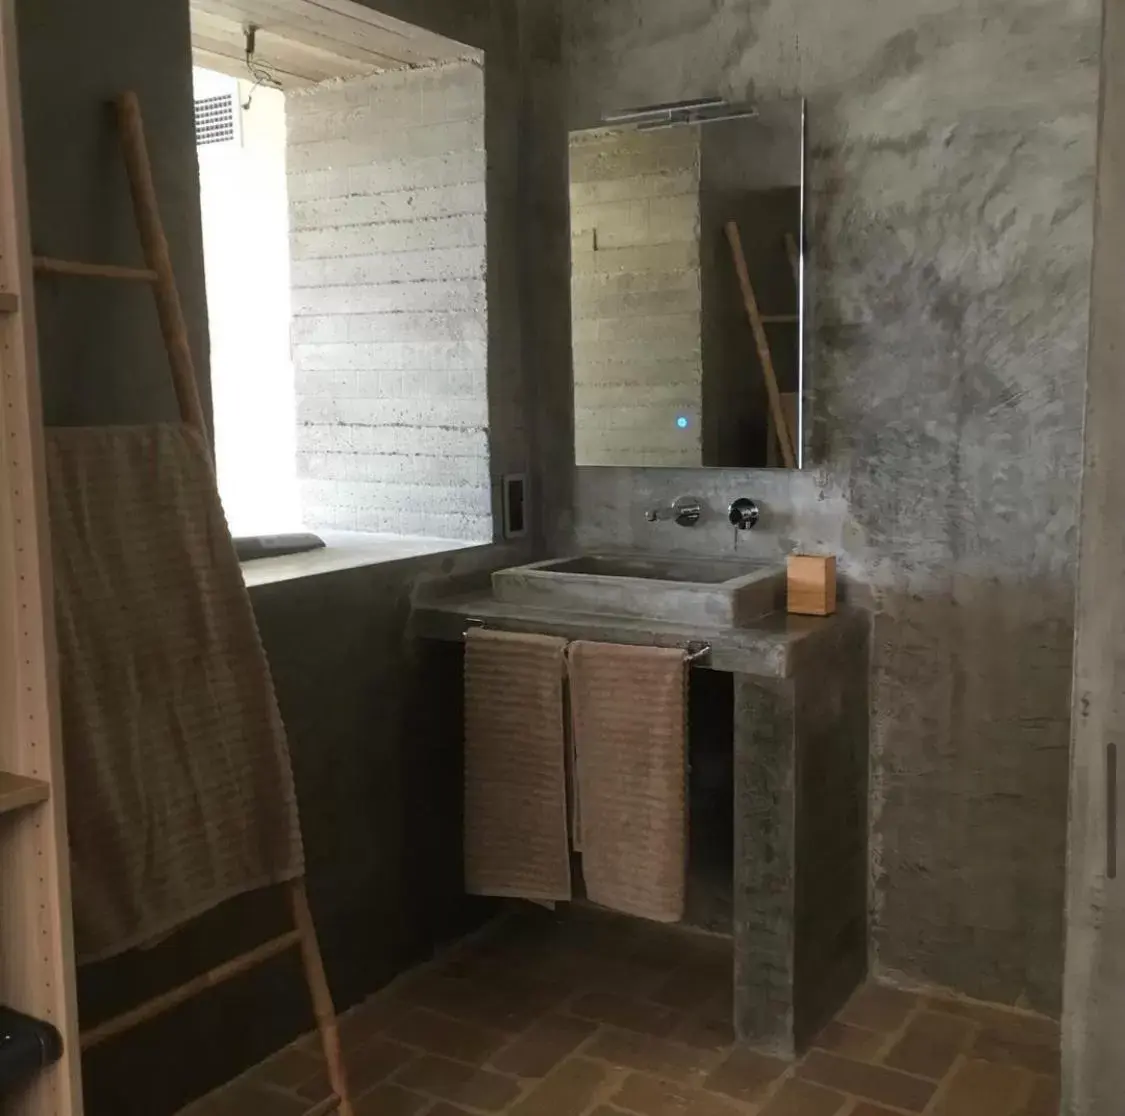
{"x": 514, "y": 488}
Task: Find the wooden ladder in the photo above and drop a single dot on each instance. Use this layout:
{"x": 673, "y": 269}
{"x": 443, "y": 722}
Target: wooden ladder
{"x": 159, "y": 274}
{"x": 35, "y": 913}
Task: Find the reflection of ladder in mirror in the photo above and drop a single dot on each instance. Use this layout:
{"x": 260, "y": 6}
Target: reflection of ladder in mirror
{"x": 761, "y": 340}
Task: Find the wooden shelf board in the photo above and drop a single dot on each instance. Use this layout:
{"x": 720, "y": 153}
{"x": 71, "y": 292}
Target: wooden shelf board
{"x": 18, "y": 791}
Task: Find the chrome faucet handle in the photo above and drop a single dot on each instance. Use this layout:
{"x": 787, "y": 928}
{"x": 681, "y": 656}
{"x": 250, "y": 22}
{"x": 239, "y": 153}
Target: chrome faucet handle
{"x": 744, "y": 513}
{"x": 686, "y": 511}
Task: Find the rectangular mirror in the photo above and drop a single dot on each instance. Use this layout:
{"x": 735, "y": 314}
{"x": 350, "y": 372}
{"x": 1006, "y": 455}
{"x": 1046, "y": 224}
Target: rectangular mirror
{"x": 687, "y": 287}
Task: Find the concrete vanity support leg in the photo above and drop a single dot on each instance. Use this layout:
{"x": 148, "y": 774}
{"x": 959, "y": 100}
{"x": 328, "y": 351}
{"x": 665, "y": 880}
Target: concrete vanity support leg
{"x": 764, "y": 861}
{"x": 801, "y": 871}
{"x": 830, "y": 938}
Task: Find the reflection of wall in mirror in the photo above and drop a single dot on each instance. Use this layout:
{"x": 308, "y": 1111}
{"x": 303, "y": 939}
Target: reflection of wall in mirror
{"x": 636, "y": 294}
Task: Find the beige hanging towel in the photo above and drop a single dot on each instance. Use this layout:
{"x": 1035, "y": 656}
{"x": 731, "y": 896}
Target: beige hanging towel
{"x": 179, "y": 789}
{"x": 515, "y": 767}
{"x": 629, "y": 707}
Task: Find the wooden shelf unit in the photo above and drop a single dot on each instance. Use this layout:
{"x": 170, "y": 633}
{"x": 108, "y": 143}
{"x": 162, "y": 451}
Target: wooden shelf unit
{"x": 36, "y": 933}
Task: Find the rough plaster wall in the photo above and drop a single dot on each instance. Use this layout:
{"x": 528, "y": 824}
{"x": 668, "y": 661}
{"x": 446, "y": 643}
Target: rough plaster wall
{"x": 635, "y": 293}
{"x": 950, "y": 184}
{"x": 390, "y": 323}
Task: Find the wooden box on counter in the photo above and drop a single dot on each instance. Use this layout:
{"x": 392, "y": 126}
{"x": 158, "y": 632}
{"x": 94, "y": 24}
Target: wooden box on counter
{"x": 812, "y": 584}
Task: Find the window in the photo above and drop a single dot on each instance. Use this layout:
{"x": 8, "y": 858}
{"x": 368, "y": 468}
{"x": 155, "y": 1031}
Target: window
{"x": 245, "y": 210}
{"x": 345, "y": 249}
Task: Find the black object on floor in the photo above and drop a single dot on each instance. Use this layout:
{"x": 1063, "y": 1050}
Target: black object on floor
{"x": 26, "y": 1046}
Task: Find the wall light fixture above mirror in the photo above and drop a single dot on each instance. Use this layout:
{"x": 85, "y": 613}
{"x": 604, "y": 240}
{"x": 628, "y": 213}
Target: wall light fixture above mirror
{"x": 687, "y": 288}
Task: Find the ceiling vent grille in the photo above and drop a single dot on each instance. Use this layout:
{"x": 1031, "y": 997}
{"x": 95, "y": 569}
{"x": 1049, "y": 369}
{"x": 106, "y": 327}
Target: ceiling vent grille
{"x": 215, "y": 119}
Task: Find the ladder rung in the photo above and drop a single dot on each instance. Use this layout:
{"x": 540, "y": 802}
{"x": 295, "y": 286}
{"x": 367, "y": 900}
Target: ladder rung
{"x": 163, "y": 1003}
{"x": 18, "y": 791}
{"x": 45, "y": 265}
{"x": 9, "y": 302}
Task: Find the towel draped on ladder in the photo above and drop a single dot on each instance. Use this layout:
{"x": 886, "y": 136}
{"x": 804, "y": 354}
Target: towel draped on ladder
{"x": 180, "y": 792}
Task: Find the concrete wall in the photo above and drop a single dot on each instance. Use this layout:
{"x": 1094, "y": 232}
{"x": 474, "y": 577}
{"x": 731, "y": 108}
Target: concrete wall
{"x": 101, "y": 355}
{"x": 545, "y": 280}
{"x": 636, "y": 296}
{"x": 390, "y": 321}
{"x": 951, "y": 159}
{"x": 1094, "y": 1018}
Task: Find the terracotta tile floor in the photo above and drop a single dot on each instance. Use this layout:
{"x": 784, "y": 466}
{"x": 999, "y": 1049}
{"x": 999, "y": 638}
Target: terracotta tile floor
{"x": 592, "y": 1016}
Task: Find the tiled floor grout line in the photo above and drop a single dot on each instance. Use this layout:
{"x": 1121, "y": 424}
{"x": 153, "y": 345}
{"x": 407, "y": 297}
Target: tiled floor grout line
{"x": 886, "y": 1049}
{"x": 935, "y": 997}
{"x": 945, "y": 1084}
{"x": 607, "y": 1090}
{"x": 1028, "y": 1092}
{"x": 892, "y": 1108}
{"x": 776, "y": 1086}
{"x": 895, "y": 1037}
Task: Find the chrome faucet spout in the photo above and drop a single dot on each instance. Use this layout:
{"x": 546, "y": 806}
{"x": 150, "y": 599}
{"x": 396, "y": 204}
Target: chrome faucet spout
{"x": 686, "y": 511}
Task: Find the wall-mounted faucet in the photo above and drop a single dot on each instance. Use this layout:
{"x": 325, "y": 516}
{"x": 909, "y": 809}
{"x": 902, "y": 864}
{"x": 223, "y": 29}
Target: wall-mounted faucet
{"x": 744, "y": 513}
{"x": 686, "y": 511}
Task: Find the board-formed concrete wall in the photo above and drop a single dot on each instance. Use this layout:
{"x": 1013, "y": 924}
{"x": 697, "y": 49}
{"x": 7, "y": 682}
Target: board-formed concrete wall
{"x": 950, "y": 185}
{"x": 390, "y": 324}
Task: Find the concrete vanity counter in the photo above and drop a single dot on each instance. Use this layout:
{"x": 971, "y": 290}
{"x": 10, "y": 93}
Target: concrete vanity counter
{"x": 777, "y": 646}
{"x": 800, "y": 772}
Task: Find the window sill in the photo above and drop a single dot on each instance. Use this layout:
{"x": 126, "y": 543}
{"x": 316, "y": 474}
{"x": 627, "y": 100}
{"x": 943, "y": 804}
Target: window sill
{"x": 346, "y": 550}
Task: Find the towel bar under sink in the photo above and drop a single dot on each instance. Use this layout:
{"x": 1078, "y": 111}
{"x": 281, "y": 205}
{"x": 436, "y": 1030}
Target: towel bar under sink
{"x": 698, "y": 654}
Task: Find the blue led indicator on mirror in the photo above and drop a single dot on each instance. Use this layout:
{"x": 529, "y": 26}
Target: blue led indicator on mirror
{"x": 682, "y": 422}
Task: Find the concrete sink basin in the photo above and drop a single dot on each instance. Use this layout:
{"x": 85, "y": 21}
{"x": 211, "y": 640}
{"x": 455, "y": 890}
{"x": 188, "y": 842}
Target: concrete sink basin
{"x": 707, "y": 593}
